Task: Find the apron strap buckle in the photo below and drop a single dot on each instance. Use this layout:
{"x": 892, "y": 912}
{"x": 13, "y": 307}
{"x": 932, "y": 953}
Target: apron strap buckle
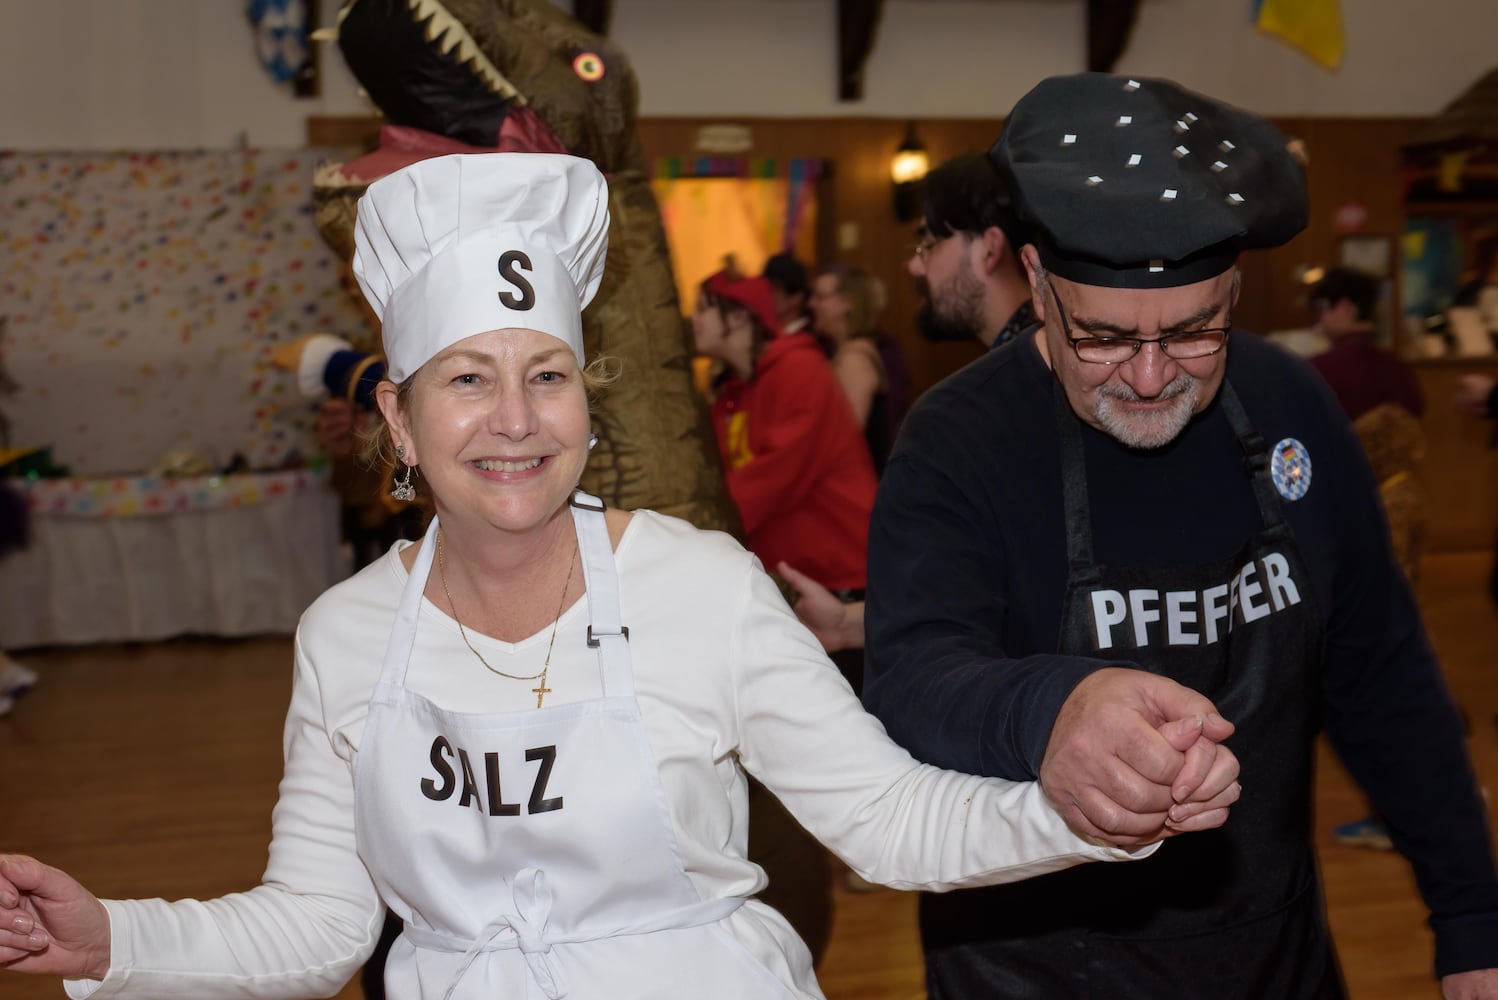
{"x": 593, "y": 641}
{"x": 582, "y": 500}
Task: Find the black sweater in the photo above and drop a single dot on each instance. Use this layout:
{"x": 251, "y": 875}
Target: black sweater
{"x": 967, "y": 570}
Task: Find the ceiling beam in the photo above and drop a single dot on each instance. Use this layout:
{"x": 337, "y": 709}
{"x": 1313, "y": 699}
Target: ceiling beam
{"x": 1109, "y": 25}
{"x": 857, "y": 27}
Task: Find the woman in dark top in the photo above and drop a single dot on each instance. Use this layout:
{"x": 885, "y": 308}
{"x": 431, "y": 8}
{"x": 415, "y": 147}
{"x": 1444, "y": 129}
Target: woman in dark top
{"x": 846, "y": 303}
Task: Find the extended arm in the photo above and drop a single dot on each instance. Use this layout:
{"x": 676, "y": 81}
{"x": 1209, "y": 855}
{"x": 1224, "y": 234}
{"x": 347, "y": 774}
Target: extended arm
{"x": 858, "y": 372}
{"x": 302, "y": 932}
{"x": 913, "y": 826}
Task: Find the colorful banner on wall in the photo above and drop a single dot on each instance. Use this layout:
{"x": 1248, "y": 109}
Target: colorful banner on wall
{"x": 716, "y": 206}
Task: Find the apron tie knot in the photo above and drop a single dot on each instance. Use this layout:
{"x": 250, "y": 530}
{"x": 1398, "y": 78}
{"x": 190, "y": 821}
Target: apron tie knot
{"x": 532, "y": 898}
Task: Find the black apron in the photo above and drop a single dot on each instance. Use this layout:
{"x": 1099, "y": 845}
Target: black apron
{"x": 1231, "y": 913}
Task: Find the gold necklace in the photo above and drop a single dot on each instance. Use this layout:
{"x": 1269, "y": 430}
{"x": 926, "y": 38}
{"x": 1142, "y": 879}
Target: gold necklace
{"x": 542, "y": 690}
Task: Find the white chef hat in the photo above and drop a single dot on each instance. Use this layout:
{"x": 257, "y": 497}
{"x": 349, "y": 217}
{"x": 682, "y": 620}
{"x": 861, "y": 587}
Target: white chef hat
{"x": 457, "y": 245}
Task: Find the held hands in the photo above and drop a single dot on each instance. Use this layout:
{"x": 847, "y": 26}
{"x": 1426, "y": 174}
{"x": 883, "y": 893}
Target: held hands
{"x": 1134, "y": 758}
{"x": 49, "y": 924}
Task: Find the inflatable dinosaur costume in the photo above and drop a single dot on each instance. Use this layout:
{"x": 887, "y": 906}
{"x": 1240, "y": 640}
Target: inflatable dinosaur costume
{"x": 519, "y": 75}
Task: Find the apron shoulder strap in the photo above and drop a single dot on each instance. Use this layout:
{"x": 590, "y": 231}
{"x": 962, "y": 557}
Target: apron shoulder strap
{"x": 1075, "y": 505}
{"x": 1255, "y": 456}
{"x": 403, "y": 632}
{"x": 606, "y": 631}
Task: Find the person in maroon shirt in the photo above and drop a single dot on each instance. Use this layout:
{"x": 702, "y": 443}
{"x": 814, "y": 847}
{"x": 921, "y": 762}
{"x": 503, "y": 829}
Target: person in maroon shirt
{"x": 1360, "y": 372}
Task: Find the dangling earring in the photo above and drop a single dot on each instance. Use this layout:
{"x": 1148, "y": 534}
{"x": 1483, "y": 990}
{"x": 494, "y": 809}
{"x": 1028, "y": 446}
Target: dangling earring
{"x": 592, "y": 441}
{"x": 403, "y": 491}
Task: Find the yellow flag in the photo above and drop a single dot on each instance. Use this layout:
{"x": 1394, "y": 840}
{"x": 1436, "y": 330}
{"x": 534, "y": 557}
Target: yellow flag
{"x": 1313, "y": 26}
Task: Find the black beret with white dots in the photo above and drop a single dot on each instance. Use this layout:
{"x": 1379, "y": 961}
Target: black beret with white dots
{"x": 1139, "y": 183}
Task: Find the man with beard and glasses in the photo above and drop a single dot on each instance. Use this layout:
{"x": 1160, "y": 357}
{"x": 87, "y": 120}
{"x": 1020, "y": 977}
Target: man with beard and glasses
{"x": 966, "y": 259}
{"x": 1132, "y": 499}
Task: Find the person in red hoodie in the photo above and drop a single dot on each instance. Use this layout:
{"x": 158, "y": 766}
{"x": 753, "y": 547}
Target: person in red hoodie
{"x": 797, "y": 464}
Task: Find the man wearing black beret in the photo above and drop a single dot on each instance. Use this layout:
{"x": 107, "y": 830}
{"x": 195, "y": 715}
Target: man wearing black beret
{"x": 1132, "y": 501}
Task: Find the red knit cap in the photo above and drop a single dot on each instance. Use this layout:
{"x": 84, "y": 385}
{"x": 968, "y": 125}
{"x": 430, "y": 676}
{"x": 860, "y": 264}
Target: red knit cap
{"x": 755, "y": 294}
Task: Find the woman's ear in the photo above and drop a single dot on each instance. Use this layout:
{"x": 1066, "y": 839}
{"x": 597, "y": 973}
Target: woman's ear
{"x": 387, "y": 397}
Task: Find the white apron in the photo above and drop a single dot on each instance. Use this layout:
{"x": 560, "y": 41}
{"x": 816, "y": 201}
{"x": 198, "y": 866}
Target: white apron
{"x": 530, "y": 854}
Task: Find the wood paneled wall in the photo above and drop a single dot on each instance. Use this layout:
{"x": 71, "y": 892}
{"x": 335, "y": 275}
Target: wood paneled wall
{"x": 1459, "y": 474}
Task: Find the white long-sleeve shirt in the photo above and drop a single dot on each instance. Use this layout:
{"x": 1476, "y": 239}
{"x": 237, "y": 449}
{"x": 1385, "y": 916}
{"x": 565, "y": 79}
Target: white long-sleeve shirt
{"x": 724, "y": 674}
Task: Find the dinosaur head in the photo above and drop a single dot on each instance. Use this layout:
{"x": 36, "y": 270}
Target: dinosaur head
{"x": 458, "y": 68}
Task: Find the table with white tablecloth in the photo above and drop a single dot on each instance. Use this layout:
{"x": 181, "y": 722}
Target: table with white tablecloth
{"x": 144, "y": 558}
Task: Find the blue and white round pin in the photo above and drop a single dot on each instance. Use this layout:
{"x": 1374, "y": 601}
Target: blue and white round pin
{"x": 1290, "y": 468}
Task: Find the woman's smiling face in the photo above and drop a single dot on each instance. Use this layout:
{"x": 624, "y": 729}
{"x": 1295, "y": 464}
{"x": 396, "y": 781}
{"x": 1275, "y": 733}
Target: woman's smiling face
{"x": 498, "y": 423}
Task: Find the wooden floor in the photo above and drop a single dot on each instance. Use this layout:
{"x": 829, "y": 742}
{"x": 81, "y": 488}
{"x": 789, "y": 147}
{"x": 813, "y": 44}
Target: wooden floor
{"x": 150, "y": 770}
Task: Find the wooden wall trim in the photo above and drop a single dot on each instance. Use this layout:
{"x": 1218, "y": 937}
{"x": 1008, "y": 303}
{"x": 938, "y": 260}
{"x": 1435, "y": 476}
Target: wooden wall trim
{"x": 358, "y": 131}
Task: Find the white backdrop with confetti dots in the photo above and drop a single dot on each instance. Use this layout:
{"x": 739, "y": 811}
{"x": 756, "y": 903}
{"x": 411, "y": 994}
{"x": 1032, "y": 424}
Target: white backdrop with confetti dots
{"x": 146, "y": 293}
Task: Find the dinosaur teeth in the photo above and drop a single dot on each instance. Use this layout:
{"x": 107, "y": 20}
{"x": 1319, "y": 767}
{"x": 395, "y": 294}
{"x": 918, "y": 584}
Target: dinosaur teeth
{"x": 452, "y": 39}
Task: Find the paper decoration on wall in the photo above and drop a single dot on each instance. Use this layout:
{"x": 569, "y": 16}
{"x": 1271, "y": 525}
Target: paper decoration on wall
{"x": 281, "y": 42}
{"x": 1313, "y": 26}
{"x": 161, "y": 284}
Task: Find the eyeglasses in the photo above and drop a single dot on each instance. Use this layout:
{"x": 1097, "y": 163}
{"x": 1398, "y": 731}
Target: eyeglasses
{"x": 926, "y": 243}
{"x": 1183, "y": 346}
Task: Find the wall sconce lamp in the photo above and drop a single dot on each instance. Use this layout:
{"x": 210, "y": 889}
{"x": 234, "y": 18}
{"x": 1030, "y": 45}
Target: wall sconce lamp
{"x": 906, "y": 170}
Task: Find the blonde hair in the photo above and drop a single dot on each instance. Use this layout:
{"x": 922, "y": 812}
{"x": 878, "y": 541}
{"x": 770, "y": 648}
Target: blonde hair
{"x": 865, "y": 296}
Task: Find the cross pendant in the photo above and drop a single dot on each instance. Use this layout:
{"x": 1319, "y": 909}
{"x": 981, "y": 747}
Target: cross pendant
{"x": 541, "y": 692}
